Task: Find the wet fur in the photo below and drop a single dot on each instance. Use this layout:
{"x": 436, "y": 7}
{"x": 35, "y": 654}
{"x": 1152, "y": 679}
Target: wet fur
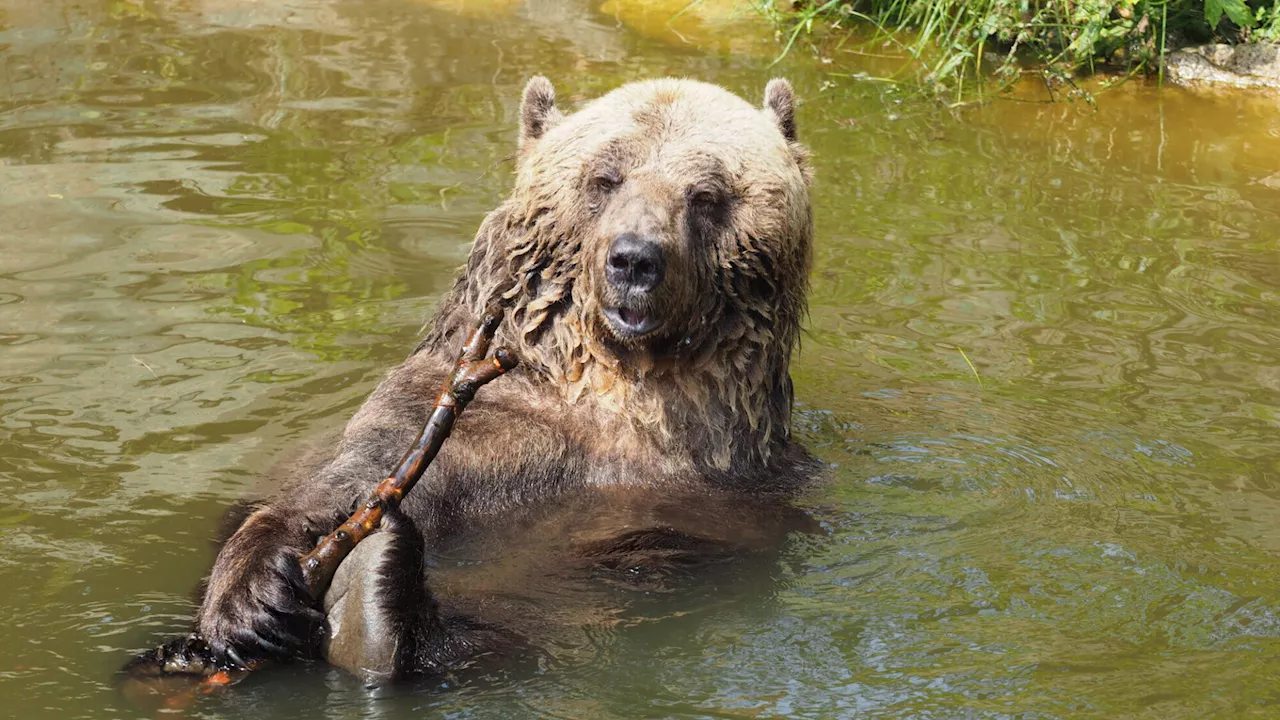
{"x": 631, "y": 436}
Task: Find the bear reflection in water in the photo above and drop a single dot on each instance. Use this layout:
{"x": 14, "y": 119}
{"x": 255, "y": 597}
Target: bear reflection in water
{"x": 652, "y": 256}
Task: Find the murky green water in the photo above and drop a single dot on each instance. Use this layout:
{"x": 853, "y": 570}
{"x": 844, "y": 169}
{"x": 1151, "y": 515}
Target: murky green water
{"x": 223, "y": 220}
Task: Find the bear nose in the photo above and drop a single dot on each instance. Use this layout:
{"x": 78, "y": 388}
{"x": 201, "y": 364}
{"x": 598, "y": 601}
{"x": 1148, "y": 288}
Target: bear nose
{"x": 634, "y": 264}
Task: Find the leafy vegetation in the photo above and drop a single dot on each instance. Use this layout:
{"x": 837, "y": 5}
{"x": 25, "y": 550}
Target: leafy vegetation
{"x": 951, "y": 41}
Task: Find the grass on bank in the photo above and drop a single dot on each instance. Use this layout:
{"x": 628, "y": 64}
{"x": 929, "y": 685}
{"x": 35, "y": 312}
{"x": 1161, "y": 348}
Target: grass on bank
{"x": 951, "y": 42}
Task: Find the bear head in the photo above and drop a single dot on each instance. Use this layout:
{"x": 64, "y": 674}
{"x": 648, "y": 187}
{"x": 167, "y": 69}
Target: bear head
{"x": 654, "y": 255}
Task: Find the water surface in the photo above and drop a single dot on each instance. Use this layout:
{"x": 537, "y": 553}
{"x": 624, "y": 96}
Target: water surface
{"x": 1043, "y": 361}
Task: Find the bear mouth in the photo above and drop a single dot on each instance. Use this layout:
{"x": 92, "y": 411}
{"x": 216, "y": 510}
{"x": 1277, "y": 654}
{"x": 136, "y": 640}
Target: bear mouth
{"x": 630, "y": 323}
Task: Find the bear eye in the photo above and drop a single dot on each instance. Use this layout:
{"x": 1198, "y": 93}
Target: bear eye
{"x": 704, "y": 198}
{"x": 606, "y": 181}
{"x": 601, "y": 185}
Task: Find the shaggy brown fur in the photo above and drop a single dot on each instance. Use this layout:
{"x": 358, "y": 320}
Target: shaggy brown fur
{"x": 657, "y": 436}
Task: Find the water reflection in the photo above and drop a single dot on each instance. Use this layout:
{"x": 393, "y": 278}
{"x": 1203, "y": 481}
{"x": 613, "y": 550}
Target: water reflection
{"x": 1041, "y": 361}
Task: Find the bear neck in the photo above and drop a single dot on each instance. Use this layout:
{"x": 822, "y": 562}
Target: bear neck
{"x": 725, "y": 412}
{"x": 728, "y": 416}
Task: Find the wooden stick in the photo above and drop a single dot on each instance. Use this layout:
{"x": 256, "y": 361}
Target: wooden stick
{"x": 472, "y": 371}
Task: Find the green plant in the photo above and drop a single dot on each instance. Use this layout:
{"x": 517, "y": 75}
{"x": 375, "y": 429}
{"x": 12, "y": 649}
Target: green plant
{"x": 951, "y": 41}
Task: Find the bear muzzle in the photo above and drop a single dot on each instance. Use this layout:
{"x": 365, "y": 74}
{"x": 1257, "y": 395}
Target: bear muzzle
{"x": 634, "y": 268}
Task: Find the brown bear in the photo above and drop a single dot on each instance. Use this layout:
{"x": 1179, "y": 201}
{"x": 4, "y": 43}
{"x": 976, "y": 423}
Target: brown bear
{"x": 652, "y": 257}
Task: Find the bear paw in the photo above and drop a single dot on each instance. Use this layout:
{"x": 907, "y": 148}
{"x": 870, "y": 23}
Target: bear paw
{"x": 378, "y": 604}
{"x": 257, "y": 606}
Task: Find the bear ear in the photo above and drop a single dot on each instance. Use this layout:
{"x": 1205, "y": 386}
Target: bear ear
{"x": 538, "y": 112}
{"x": 781, "y": 100}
